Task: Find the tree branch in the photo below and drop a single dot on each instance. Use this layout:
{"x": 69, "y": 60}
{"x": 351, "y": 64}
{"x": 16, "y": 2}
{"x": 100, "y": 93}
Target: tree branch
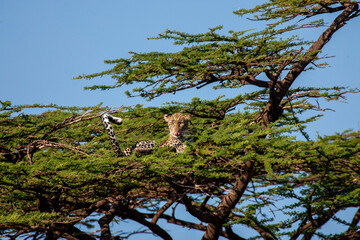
{"x": 231, "y": 235}
{"x": 272, "y": 110}
{"x": 355, "y": 221}
{"x": 228, "y": 233}
{"x": 73, "y": 233}
{"x": 126, "y": 212}
{"x": 197, "y": 212}
{"x": 162, "y": 210}
{"x": 106, "y": 219}
{"x": 229, "y": 202}
{"x": 312, "y": 52}
{"x": 314, "y": 224}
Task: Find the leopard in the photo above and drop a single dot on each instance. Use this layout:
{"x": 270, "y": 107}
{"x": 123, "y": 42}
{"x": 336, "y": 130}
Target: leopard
{"x": 178, "y": 124}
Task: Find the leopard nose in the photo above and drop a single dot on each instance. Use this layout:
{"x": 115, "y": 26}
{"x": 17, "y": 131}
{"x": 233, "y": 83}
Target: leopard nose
{"x": 177, "y": 133}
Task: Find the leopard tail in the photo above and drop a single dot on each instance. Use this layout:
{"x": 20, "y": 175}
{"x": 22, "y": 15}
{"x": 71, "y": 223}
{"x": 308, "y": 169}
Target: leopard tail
{"x": 106, "y": 119}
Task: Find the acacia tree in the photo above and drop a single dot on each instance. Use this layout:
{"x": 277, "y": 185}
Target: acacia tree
{"x": 58, "y": 171}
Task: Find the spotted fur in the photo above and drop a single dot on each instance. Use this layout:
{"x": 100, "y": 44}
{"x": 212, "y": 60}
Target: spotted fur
{"x": 106, "y": 119}
{"x": 178, "y": 125}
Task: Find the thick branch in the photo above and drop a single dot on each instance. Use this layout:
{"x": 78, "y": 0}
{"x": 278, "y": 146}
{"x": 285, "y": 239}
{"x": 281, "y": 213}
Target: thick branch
{"x": 195, "y": 211}
{"x": 272, "y": 112}
{"x": 231, "y": 235}
{"x": 228, "y": 233}
{"x": 315, "y": 48}
{"x": 106, "y": 220}
{"x": 92, "y": 208}
{"x": 132, "y": 214}
{"x": 251, "y": 80}
{"x": 229, "y": 202}
{"x": 162, "y": 210}
{"x": 350, "y": 236}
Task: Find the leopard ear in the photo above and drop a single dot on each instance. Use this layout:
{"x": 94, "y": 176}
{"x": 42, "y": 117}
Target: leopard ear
{"x": 187, "y": 117}
{"x": 167, "y": 117}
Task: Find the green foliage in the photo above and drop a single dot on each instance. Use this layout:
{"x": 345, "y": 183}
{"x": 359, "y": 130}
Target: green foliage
{"x": 223, "y": 61}
{"x": 59, "y": 183}
{"x": 31, "y": 219}
{"x": 288, "y": 10}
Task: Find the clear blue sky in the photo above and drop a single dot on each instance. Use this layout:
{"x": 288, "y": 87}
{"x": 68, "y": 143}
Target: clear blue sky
{"x": 45, "y": 43}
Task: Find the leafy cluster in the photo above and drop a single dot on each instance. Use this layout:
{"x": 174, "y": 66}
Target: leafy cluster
{"x": 288, "y": 10}
{"x": 223, "y": 61}
{"x": 60, "y": 182}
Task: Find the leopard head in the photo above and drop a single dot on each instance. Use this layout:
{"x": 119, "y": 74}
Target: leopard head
{"x": 178, "y": 124}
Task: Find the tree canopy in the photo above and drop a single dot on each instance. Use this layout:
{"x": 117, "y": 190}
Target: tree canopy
{"x": 244, "y": 169}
